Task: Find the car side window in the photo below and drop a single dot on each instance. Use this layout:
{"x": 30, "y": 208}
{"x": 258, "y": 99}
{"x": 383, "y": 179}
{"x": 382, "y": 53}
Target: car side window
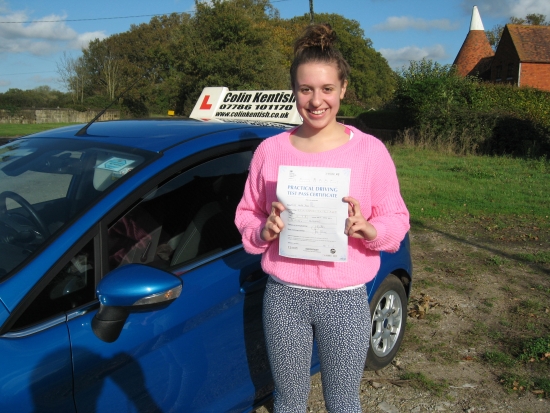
{"x": 188, "y": 218}
{"x": 71, "y": 287}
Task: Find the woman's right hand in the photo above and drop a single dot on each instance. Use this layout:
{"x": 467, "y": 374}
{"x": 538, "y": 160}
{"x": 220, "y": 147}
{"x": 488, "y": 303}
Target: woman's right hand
{"x": 274, "y": 224}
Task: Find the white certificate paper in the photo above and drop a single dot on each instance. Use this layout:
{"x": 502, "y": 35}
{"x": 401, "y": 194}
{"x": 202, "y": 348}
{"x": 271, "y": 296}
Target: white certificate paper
{"x": 315, "y": 215}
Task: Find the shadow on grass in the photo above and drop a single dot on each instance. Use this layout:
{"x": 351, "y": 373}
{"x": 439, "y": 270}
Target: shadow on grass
{"x": 417, "y": 224}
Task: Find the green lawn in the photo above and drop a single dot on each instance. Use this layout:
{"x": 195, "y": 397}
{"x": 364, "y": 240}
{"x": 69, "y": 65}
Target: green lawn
{"x": 442, "y": 186}
{"x": 16, "y": 129}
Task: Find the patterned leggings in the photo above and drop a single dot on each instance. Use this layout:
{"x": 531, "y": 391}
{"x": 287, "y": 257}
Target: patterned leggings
{"x": 340, "y": 322}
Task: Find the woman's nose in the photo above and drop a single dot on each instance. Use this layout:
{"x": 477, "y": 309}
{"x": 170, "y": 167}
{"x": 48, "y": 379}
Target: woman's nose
{"x": 316, "y": 99}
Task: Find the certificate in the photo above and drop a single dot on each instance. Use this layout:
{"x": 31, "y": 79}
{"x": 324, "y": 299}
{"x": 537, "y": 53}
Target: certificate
{"x": 315, "y": 215}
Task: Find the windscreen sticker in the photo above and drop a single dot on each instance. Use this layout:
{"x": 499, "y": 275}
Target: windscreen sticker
{"x": 116, "y": 165}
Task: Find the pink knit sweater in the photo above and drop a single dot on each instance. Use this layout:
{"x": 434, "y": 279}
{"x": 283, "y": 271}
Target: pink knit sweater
{"x": 373, "y": 183}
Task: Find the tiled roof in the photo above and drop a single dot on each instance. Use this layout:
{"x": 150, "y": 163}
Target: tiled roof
{"x": 471, "y": 59}
{"x": 531, "y": 42}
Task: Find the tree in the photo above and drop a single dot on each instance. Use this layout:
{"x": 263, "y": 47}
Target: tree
{"x": 228, "y": 43}
{"x": 240, "y": 44}
{"x": 533, "y": 19}
{"x": 40, "y": 97}
{"x": 111, "y": 68}
{"x": 428, "y": 91}
{"x": 73, "y": 75}
{"x": 142, "y": 53}
{"x": 102, "y": 64}
{"x": 150, "y": 52}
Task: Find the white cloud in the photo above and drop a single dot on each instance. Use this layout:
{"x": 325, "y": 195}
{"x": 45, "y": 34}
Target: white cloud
{"x": 508, "y": 8}
{"x": 44, "y": 80}
{"x": 402, "y": 57}
{"x": 83, "y": 40}
{"x": 43, "y": 36}
{"x": 4, "y": 82}
{"x": 405, "y": 23}
{"x": 34, "y": 47}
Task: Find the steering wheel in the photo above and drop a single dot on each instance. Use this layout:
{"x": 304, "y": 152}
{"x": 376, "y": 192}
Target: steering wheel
{"x": 28, "y": 207}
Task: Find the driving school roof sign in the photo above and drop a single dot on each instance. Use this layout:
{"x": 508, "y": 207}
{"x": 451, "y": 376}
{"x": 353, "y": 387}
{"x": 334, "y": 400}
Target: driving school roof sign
{"x": 266, "y": 105}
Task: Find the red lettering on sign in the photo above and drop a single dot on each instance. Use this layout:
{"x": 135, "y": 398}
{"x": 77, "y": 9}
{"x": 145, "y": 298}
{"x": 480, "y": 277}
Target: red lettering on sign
{"x": 205, "y": 105}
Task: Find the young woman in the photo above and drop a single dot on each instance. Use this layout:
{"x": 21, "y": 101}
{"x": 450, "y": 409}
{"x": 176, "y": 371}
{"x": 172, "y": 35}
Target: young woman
{"x": 306, "y": 298}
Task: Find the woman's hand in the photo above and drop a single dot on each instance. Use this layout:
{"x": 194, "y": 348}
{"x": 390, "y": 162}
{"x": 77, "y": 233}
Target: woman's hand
{"x": 274, "y": 224}
{"x": 356, "y": 224}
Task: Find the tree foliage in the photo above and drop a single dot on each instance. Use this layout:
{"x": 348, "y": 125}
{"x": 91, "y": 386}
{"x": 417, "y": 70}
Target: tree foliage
{"x": 40, "y": 97}
{"x": 73, "y": 76}
{"x": 240, "y": 44}
{"x": 228, "y": 43}
{"x": 428, "y": 89}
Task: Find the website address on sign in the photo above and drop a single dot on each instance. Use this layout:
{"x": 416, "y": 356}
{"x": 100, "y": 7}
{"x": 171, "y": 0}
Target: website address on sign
{"x": 283, "y": 115}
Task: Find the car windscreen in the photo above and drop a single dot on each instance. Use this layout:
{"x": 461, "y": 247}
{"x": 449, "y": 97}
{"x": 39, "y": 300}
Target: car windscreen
{"x": 44, "y": 183}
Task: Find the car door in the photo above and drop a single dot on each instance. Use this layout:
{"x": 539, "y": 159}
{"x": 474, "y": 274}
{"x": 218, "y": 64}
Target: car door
{"x": 36, "y": 371}
{"x": 205, "y": 352}
{"x": 35, "y": 354}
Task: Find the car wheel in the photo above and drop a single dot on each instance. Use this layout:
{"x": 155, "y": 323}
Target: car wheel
{"x": 388, "y": 309}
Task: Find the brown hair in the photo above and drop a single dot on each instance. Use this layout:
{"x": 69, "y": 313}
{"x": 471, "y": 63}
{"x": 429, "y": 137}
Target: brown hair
{"x": 317, "y": 44}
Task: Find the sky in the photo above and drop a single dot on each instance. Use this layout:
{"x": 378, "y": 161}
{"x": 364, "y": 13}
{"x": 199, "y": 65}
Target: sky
{"x": 34, "y": 34}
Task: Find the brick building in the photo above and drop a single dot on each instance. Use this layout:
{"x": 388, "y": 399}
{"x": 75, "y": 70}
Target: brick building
{"x": 522, "y": 57}
{"x": 476, "y": 53}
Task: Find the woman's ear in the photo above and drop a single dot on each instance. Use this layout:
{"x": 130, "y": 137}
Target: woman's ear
{"x": 344, "y": 87}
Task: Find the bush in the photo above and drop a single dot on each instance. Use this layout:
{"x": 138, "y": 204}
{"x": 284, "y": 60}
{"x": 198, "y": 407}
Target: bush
{"x": 135, "y": 108}
{"x": 350, "y": 110}
{"x": 11, "y": 109}
{"x": 472, "y": 116}
{"x": 385, "y": 119}
{"x": 78, "y": 107}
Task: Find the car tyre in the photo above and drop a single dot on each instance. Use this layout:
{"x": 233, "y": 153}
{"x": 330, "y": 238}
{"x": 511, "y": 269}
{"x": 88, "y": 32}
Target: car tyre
{"x": 388, "y": 309}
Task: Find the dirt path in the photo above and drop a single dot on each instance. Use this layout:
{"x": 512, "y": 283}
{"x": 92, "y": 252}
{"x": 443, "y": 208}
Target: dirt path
{"x": 478, "y": 297}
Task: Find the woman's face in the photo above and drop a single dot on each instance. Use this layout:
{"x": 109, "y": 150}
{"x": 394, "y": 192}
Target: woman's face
{"x": 318, "y": 91}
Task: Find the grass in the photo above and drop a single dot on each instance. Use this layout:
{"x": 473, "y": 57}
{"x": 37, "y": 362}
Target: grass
{"x": 18, "y": 129}
{"x": 499, "y": 358}
{"x": 513, "y": 382}
{"x": 489, "y": 198}
{"x": 536, "y": 349}
{"x": 421, "y": 382}
{"x": 442, "y": 186}
{"x": 499, "y": 207}
{"x": 541, "y": 257}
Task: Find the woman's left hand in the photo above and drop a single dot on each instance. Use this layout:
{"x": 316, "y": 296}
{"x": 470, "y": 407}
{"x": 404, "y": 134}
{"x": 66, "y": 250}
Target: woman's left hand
{"x": 356, "y": 224}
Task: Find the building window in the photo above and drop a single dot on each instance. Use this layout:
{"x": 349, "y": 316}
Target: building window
{"x": 499, "y": 73}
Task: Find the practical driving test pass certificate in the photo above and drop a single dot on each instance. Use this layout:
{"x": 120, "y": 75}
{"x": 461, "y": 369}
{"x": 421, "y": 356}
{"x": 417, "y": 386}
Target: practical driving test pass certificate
{"x": 315, "y": 215}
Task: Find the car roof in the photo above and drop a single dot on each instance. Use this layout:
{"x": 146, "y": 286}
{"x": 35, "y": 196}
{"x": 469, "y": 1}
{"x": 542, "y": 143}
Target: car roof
{"x": 151, "y": 134}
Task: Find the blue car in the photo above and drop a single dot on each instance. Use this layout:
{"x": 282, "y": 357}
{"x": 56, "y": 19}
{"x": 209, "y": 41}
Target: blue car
{"x": 124, "y": 286}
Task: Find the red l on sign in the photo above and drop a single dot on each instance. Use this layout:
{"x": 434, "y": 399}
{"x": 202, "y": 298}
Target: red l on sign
{"x": 205, "y": 105}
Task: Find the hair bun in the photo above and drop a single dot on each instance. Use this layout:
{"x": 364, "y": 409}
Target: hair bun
{"x": 315, "y": 35}
{"x": 317, "y": 44}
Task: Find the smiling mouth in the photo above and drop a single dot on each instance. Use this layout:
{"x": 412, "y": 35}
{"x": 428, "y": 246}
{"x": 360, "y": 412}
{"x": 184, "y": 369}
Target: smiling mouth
{"x": 318, "y": 112}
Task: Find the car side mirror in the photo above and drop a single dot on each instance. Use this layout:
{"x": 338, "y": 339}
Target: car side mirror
{"x": 129, "y": 289}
